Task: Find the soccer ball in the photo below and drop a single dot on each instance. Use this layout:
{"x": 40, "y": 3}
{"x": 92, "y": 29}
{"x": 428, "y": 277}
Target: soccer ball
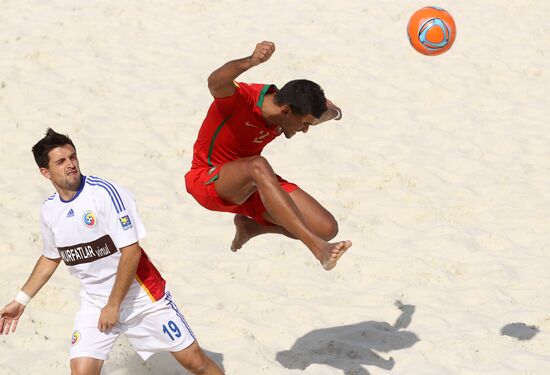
{"x": 431, "y": 31}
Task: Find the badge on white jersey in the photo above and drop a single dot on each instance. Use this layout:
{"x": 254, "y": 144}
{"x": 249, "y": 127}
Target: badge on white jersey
{"x": 125, "y": 222}
{"x": 89, "y": 218}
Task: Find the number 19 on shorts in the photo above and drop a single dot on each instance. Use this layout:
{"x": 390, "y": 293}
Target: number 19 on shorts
{"x": 171, "y": 329}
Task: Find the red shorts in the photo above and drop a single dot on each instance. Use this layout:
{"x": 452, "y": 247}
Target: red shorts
{"x": 200, "y": 184}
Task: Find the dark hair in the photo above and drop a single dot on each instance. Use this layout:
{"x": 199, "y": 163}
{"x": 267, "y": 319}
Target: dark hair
{"x": 43, "y": 147}
{"x": 303, "y": 97}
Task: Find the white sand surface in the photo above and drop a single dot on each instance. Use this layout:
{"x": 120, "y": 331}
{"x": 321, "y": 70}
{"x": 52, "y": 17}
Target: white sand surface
{"x": 439, "y": 173}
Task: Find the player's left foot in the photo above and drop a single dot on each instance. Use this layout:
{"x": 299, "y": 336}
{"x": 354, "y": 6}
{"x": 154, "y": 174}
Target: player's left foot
{"x": 245, "y": 229}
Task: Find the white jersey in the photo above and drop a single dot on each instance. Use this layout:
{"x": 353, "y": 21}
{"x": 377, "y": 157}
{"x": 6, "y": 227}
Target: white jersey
{"x": 88, "y": 232}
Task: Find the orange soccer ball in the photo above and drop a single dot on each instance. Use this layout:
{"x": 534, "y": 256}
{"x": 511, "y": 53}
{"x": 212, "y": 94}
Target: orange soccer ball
{"x": 431, "y": 31}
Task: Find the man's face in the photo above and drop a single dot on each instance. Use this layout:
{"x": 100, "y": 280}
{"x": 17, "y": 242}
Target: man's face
{"x": 63, "y": 169}
{"x": 293, "y": 123}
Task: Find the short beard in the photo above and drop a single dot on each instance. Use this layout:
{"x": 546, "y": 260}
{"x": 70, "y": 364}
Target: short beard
{"x": 74, "y": 186}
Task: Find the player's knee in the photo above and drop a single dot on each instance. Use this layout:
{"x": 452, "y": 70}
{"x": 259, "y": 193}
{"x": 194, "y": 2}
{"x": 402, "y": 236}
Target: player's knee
{"x": 198, "y": 364}
{"x": 260, "y": 168}
{"x": 195, "y": 360}
{"x": 77, "y": 369}
{"x": 82, "y": 368}
{"x": 329, "y": 229}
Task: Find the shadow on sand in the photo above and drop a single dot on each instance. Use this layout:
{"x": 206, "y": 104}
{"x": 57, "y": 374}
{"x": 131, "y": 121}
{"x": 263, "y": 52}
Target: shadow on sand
{"x": 350, "y": 347}
{"x": 160, "y": 363}
{"x": 520, "y": 331}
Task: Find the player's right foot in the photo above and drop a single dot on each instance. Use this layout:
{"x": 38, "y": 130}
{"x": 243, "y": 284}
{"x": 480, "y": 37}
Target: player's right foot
{"x": 332, "y": 252}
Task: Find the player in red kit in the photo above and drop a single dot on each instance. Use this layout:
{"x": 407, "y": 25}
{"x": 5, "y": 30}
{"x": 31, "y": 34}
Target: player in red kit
{"x": 228, "y": 173}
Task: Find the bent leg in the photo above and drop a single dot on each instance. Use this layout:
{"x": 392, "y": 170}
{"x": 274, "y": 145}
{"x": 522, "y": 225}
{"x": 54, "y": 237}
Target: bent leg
{"x": 322, "y": 223}
{"x": 316, "y": 217}
{"x": 246, "y": 228}
{"x": 195, "y": 360}
{"x": 86, "y": 366}
{"x": 239, "y": 179}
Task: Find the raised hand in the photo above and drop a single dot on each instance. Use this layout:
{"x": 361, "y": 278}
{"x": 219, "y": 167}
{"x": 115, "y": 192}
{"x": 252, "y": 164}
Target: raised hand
{"x": 333, "y": 112}
{"x": 262, "y": 52}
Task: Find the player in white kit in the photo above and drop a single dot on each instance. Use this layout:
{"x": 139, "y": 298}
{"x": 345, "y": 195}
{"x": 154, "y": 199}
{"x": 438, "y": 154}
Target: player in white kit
{"x": 93, "y": 226}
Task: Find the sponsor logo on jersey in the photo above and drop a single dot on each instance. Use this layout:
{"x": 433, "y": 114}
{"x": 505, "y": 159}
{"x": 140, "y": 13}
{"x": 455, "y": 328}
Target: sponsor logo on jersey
{"x": 88, "y": 252}
{"x": 89, "y": 219}
{"x": 76, "y": 338}
{"x": 70, "y": 213}
{"x": 125, "y": 222}
{"x": 249, "y": 124}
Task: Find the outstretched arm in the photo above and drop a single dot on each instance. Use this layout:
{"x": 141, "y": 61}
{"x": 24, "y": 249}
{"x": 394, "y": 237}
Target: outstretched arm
{"x": 220, "y": 82}
{"x": 125, "y": 274}
{"x": 43, "y": 270}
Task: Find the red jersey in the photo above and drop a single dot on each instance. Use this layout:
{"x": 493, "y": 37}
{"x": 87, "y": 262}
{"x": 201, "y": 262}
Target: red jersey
{"x": 234, "y": 127}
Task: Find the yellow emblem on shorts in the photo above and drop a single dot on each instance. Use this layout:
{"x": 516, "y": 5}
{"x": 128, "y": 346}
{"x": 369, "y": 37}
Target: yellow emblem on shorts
{"x": 76, "y": 338}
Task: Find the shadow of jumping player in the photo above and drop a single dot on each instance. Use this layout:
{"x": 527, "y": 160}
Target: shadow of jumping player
{"x": 352, "y": 346}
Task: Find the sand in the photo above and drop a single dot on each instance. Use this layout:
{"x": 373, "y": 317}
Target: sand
{"x": 438, "y": 173}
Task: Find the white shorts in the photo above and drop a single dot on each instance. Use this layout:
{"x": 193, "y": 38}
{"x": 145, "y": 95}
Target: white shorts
{"x": 158, "y": 327}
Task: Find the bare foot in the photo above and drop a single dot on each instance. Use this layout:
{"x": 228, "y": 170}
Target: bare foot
{"x": 245, "y": 229}
{"x": 332, "y": 252}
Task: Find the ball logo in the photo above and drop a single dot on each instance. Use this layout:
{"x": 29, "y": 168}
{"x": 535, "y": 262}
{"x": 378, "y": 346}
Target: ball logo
{"x": 434, "y": 34}
{"x": 76, "y": 338}
{"x": 89, "y": 219}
